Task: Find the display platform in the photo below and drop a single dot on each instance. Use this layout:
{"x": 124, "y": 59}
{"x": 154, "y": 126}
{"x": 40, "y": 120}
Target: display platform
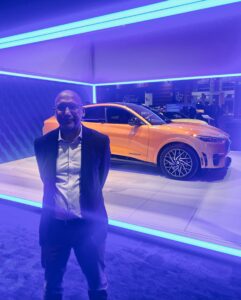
{"x": 206, "y": 208}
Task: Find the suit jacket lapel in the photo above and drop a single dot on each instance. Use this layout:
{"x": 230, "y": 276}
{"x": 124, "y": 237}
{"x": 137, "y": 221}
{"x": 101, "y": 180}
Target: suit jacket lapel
{"x": 52, "y": 153}
{"x": 84, "y": 150}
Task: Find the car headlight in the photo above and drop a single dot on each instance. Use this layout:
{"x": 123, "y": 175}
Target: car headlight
{"x": 210, "y": 139}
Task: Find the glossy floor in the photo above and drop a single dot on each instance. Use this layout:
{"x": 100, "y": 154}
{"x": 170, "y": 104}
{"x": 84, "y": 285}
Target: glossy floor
{"x": 206, "y": 208}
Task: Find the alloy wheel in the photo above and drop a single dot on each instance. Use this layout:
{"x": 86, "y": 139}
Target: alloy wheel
{"x": 178, "y": 163}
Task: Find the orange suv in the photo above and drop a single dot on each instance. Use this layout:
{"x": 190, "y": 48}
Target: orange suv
{"x": 180, "y": 149}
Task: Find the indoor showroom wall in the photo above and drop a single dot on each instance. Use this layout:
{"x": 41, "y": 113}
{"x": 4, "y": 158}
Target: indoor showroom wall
{"x": 25, "y": 104}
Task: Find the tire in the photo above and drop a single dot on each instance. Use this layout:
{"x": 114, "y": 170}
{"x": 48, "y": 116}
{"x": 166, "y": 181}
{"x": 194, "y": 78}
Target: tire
{"x": 179, "y": 161}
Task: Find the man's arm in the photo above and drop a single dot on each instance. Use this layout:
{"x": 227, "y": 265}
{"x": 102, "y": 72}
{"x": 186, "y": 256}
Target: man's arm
{"x": 38, "y": 156}
{"x": 105, "y": 162}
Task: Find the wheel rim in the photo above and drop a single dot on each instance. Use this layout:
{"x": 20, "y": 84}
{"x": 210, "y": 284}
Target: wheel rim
{"x": 178, "y": 163}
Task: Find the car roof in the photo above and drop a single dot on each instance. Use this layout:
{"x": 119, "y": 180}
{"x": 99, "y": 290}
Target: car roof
{"x": 129, "y": 105}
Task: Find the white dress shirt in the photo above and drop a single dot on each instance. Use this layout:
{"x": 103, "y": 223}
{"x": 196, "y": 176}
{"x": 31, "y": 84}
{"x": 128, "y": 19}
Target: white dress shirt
{"x": 67, "y": 197}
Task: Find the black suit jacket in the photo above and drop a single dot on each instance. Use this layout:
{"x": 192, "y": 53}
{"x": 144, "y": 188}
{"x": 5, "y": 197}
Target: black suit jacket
{"x": 95, "y": 159}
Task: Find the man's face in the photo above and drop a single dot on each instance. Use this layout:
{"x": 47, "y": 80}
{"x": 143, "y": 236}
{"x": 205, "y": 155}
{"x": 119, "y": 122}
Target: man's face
{"x": 69, "y": 110}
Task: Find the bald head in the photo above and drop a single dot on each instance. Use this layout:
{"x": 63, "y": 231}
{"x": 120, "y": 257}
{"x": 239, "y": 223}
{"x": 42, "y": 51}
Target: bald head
{"x": 67, "y": 95}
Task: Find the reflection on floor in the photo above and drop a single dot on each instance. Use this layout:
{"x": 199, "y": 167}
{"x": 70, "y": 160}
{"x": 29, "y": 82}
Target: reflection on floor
{"x": 206, "y": 208}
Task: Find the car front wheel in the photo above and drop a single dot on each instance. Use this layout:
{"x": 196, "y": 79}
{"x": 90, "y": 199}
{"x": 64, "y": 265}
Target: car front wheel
{"x": 179, "y": 161}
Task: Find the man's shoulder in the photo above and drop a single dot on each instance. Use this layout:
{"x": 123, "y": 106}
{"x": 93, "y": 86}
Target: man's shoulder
{"x": 93, "y": 134}
{"x": 48, "y": 137}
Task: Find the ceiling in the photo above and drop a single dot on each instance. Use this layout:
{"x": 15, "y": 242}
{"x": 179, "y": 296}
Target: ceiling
{"x": 199, "y": 43}
{"x": 26, "y": 15}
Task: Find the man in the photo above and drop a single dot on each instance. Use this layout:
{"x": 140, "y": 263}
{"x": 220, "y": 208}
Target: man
{"x": 73, "y": 163}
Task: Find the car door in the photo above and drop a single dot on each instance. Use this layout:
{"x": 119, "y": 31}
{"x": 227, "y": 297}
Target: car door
{"x": 126, "y": 140}
{"x": 95, "y": 118}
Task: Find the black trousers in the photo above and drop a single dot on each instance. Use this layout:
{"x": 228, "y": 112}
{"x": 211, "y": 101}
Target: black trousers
{"x": 89, "y": 250}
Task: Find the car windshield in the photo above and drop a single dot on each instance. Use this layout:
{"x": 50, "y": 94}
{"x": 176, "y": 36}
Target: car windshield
{"x": 160, "y": 114}
{"x": 148, "y": 115}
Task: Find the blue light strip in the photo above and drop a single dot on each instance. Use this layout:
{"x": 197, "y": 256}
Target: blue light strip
{"x": 116, "y": 83}
{"x": 20, "y": 200}
{"x": 94, "y": 94}
{"x": 169, "y": 79}
{"x": 43, "y": 78}
{"x": 177, "y": 238}
{"x": 149, "y": 231}
{"x": 131, "y": 16}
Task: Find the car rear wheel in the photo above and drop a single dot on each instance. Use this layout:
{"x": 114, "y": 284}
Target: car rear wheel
{"x": 179, "y": 161}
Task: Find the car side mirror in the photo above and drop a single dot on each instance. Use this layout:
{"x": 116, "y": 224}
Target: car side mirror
{"x": 135, "y": 122}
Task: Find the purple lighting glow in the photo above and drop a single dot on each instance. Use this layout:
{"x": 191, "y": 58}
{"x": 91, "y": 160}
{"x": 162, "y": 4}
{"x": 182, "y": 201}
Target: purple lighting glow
{"x": 145, "y": 230}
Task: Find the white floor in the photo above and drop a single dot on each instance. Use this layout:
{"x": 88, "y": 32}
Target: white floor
{"x": 207, "y": 208}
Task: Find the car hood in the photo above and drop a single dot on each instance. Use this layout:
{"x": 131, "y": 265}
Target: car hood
{"x": 195, "y": 121}
{"x": 194, "y": 129}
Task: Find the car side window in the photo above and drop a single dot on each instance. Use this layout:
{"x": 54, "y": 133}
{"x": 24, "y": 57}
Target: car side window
{"x": 116, "y": 115}
{"x": 94, "y": 114}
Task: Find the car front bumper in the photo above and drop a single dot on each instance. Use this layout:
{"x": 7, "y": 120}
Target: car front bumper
{"x": 214, "y": 155}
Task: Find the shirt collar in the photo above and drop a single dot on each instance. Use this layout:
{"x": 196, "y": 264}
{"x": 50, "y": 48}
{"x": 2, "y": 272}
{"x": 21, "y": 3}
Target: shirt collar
{"x": 78, "y": 138}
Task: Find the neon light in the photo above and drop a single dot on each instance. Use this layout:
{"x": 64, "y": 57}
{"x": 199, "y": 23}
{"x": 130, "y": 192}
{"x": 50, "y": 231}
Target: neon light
{"x": 149, "y": 231}
{"x": 131, "y": 16}
{"x": 94, "y": 94}
{"x": 169, "y": 79}
{"x": 177, "y": 238}
{"x": 116, "y": 83}
{"x": 21, "y": 200}
{"x": 43, "y": 78}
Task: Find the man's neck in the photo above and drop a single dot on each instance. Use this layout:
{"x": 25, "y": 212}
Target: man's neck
{"x": 70, "y": 135}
